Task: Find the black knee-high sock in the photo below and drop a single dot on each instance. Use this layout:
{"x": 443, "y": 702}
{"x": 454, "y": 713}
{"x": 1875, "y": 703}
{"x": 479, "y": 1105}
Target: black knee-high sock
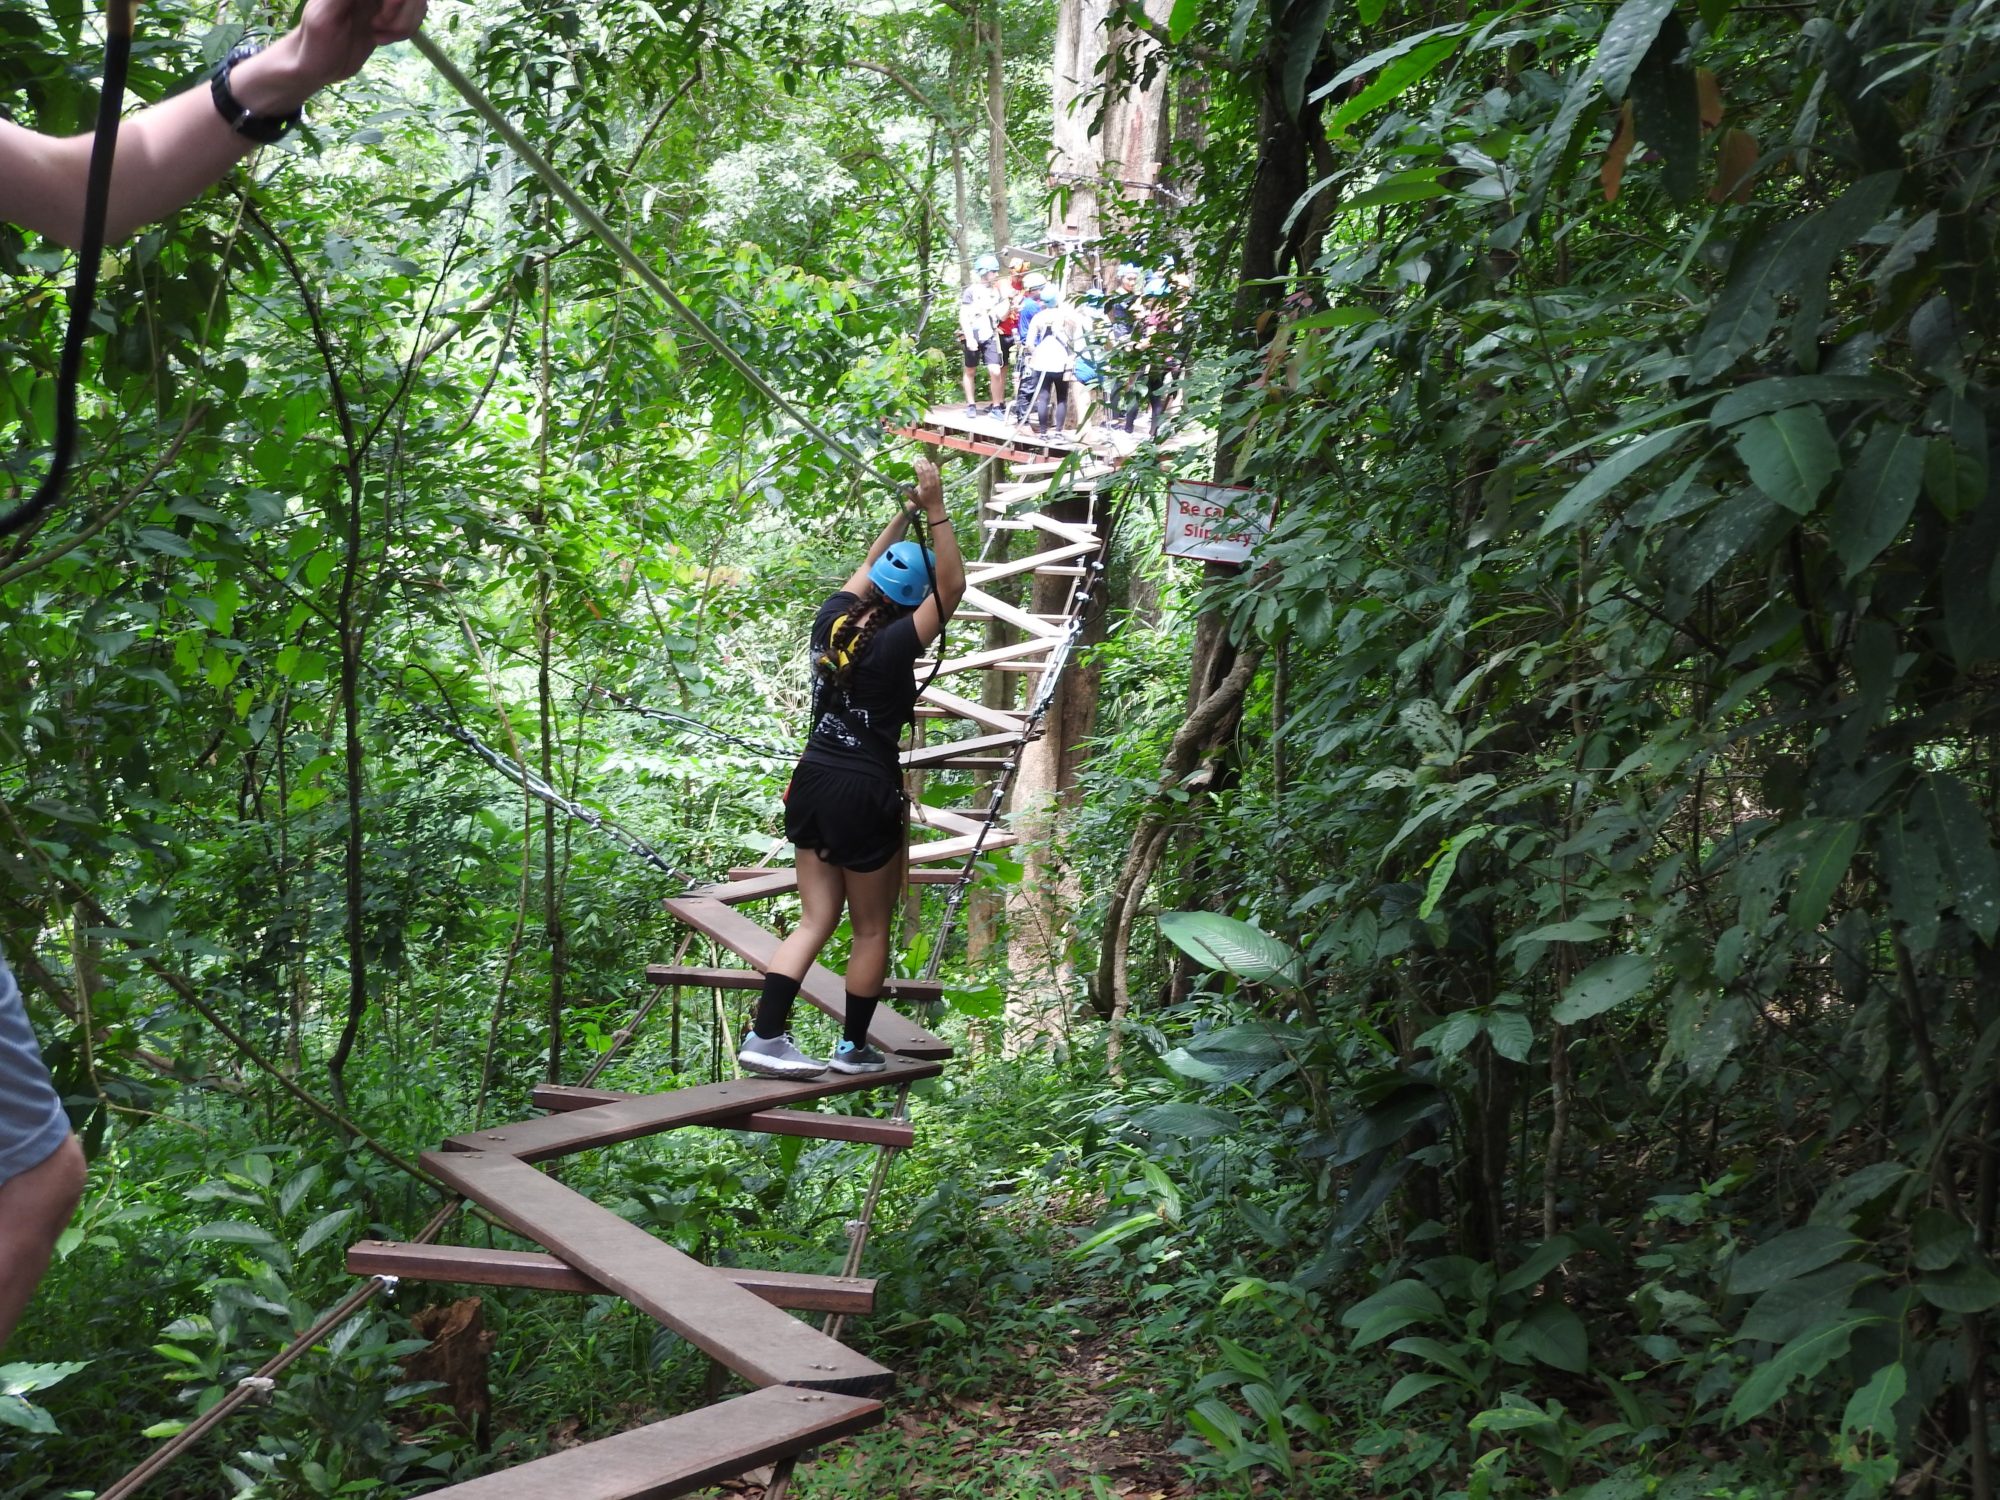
{"x": 860, "y": 1012}
{"x": 774, "y": 1006}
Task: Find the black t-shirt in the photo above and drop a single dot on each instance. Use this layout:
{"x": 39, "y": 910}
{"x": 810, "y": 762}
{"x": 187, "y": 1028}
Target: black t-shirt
{"x": 861, "y": 728}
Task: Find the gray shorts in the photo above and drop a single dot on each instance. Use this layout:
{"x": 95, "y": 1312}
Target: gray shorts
{"x": 32, "y": 1122}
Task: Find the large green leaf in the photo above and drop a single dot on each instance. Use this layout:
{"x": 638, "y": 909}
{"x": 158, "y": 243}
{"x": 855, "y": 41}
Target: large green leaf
{"x": 1606, "y": 983}
{"x": 1776, "y": 392}
{"x": 1626, "y": 40}
{"x": 1231, "y": 947}
{"x": 1620, "y": 465}
{"x": 1873, "y": 1407}
{"x": 1959, "y": 824}
{"x": 1789, "y": 1256}
{"x": 1395, "y": 1306}
{"x": 1801, "y": 1359}
{"x": 1396, "y": 79}
{"x": 1554, "y": 1335}
{"x": 1790, "y": 455}
{"x": 1830, "y": 850}
{"x": 1308, "y": 20}
{"x": 1185, "y": 1121}
{"x": 1970, "y": 1287}
{"x": 1876, "y": 496}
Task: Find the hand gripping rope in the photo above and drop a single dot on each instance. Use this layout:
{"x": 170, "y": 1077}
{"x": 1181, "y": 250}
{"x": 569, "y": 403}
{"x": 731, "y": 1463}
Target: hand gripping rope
{"x": 83, "y": 295}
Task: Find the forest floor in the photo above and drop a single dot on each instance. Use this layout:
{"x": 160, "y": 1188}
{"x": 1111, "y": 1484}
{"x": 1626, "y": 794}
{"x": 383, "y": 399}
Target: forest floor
{"x": 1046, "y": 1432}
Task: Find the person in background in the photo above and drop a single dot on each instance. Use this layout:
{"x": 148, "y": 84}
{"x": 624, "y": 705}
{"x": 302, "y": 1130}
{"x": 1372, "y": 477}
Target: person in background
{"x": 1013, "y": 289}
{"x": 1057, "y": 338}
{"x": 844, "y": 806}
{"x": 980, "y": 308}
{"x": 1121, "y": 329}
{"x": 1035, "y": 285}
{"x": 167, "y": 154}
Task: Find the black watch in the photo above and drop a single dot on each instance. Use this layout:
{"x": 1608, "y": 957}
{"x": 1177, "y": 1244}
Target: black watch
{"x": 263, "y": 129}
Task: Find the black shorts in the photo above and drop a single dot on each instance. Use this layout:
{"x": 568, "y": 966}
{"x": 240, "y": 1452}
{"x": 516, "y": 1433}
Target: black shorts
{"x": 847, "y": 818}
{"x": 987, "y": 353}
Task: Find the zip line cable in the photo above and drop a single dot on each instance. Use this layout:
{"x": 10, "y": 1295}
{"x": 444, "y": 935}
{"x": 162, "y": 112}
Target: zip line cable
{"x": 89, "y": 256}
{"x": 614, "y": 242}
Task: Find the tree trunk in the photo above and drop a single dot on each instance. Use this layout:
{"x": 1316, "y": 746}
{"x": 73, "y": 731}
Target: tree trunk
{"x": 996, "y": 125}
{"x": 1109, "y": 129}
{"x": 1041, "y": 969}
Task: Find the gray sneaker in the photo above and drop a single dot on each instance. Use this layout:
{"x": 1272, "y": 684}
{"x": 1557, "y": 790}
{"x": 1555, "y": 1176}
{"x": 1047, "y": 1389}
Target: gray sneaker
{"x": 776, "y": 1057}
{"x": 848, "y": 1058}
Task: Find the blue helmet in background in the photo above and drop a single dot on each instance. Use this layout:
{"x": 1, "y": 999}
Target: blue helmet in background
{"x": 986, "y": 263}
{"x": 903, "y": 573}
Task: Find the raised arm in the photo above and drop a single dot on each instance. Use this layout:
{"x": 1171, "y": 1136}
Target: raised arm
{"x": 170, "y": 152}
{"x": 891, "y": 534}
{"x": 938, "y": 607}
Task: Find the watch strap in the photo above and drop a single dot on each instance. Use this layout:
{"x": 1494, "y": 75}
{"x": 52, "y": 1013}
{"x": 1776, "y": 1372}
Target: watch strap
{"x": 263, "y": 129}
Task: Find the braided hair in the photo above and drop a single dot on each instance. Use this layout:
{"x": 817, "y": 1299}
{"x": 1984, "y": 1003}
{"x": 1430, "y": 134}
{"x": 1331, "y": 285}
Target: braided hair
{"x": 847, "y": 642}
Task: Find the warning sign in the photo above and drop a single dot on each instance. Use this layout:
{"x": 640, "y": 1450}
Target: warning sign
{"x": 1215, "y": 522}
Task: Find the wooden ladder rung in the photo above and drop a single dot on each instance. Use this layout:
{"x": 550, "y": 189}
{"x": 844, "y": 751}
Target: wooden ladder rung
{"x": 752, "y": 872}
{"x": 822, "y": 987}
{"x": 684, "y": 1453}
{"x": 750, "y": 979}
{"x": 471, "y": 1265}
{"x": 943, "y": 750}
{"x": 810, "y": 1123}
{"x": 627, "y": 1119}
{"x": 743, "y": 1332}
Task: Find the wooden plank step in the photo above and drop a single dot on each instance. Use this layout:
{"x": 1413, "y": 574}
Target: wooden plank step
{"x": 981, "y": 574}
{"x": 931, "y": 756}
{"x": 470, "y": 1265}
{"x": 648, "y": 1114}
{"x": 1014, "y": 651}
{"x": 965, "y": 708}
{"x": 949, "y": 819}
{"x": 984, "y": 606}
{"x": 749, "y": 979}
{"x": 742, "y": 1331}
{"x": 752, "y": 872}
{"x": 684, "y": 1453}
{"x": 562, "y": 1097}
{"x": 954, "y": 849}
{"x": 969, "y": 763}
{"x": 822, "y": 987}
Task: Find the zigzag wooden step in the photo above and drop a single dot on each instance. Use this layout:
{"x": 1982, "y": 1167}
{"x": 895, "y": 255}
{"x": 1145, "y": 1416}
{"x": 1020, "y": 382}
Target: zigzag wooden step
{"x": 978, "y": 660}
{"x": 985, "y": 606}
{"x": 981, "y": 574}
{"x": 709, "y": 914}
{"x": 998, "y": 720}
{"x": 561, "y": 1097}
{"x": 742, "y": 1331}
{"x": 757, "y": 872}
{"x": 684, "y": 1453}
{"x": 471, "y": 1265}
{"x": 934, "y": 756}
{"x": 749, "y": 979}
{"x": 782, "y": 881}
{"x": 650, "y": 1114}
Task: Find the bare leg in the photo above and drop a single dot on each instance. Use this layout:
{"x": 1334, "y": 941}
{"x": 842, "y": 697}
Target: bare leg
{"x": 822, "y": 893}
{"x": 970, "y": 398}
{"x": 996, "y": 384}
{"x": 871, "y": 898}
{"x": 35, "y": 1205}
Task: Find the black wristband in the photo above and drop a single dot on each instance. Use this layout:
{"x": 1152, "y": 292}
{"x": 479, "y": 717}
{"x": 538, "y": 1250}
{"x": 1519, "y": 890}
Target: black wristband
{"x": 263, "y": 129}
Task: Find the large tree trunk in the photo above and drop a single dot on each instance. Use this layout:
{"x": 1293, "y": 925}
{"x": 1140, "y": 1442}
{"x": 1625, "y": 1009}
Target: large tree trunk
{"x": 996, "y": 124}
{"x": 1109, "y": 130}
{"x": 1042, "y": 972}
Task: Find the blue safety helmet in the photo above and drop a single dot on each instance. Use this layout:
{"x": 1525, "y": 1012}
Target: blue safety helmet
{"x": 903, "y": 573}
{"x": 986, "y": 263}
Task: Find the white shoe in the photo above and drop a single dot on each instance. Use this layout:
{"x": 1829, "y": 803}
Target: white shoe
{"x": 776, "y": 1057}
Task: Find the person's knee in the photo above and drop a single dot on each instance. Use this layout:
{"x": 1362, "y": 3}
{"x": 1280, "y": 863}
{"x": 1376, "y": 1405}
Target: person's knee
{"x": 42, "y": 1200}
{"x": 65, "y": 1187}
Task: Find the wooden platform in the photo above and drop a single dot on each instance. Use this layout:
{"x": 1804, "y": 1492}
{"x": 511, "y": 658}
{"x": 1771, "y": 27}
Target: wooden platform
{"x": 738, "y": 1329}
{"x": 682, "y": 1453}
{"x": 471, "y": 1265}
{"x": 710, "y": 915}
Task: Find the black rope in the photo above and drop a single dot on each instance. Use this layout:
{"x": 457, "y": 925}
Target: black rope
{"x": 526, "y": 778}
{"x": 83, "y": 295}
